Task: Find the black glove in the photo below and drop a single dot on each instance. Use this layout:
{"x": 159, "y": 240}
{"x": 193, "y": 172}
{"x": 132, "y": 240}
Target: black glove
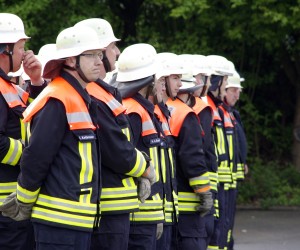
{"x": 206, "y": 203}
{"x": 15, "y": 209}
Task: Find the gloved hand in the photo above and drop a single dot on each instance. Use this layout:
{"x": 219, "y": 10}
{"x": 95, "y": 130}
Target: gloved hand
{"x": 206, "y": 203}
{"x": 150, "y": 173}
{"x": 15, "y": 209}
{"x": 144, "y": 189}
{"x": 159, "y": 230}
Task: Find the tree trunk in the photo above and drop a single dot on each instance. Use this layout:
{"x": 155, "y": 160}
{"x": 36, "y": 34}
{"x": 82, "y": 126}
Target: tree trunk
{"x": 296, "y": 133}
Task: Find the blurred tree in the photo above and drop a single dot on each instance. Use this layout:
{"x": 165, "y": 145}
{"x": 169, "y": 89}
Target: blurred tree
{"x": 261, "y": 37}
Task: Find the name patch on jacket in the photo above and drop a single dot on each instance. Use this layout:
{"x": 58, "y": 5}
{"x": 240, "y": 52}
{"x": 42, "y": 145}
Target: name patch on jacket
{"x": 85, "y": 138}
{"x": 155, "y": 141}
{"x": 84, "y": 135}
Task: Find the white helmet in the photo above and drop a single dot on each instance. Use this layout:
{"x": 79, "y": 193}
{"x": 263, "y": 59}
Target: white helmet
{"x": 102, "y": 27}
{"x": 187, "y": 62}
{"x": 188, "y": 84}
{"x": 169, "y": 64}
{"x": 234, "y": 81}
{"x": 20, "y": 72}
{"x": 219, "y": 65}
{"x": 137, "y": 61}
{"x": 71, "y": 42}
{"x": 11, "y": 28}
{"x": 200, "y": 65}
{"x": 45, "y": 53}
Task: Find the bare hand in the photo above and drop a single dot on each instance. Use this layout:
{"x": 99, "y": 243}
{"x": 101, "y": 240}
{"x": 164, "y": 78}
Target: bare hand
{"x": 33, "y": 68}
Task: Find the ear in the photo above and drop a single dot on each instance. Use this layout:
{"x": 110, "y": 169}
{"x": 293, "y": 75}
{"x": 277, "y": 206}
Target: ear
{"x": 71, "y": 61}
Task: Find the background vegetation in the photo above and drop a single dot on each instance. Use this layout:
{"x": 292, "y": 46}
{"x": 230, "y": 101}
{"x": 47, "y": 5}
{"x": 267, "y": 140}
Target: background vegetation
{"x": 261, "y": 37}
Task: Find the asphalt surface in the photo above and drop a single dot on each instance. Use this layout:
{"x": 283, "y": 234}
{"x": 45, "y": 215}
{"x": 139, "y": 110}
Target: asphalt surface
{"x": 276, "y": 229}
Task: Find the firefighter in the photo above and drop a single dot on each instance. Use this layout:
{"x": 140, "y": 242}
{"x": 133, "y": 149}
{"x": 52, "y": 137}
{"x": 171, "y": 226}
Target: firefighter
{"x": 59, "y": 184}
{"x": 121, "y": 162}
{"x": 233, "y": 90}
{"x": 13, "y": 101}
{"x": 194, "y": 196}
{"x": 167, "y": 154}
{"x": 216, "y": 93}
{"x": 106, "y": 34}
{"x": 135, "y": 77}
{"x": 201, "y": 71}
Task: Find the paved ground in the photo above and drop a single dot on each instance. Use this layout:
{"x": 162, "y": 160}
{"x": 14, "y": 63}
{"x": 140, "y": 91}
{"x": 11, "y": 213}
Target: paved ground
{"x": 277, "y": 229}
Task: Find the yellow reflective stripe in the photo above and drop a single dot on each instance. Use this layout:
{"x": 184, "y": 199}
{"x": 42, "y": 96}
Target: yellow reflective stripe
{"x": 240, "y": 171}
{"x": 127, "y": 133}
{"x": 224, "y": 178}
{"x": 151, "y": 205}
{"x": 213, "y": 177}
{"x": 187, "y": 196}
{"x": 175, "y": 197}
{"x": 188, "y": 206}
{"x": 168, "y": 206}
{"x": 212, "y": 247}
{"x": 66, "y": 205}
{"x": 129, "y": 182}
{"x": 229, "y": 235}
{"x": 119, "y": 205}
{"x": 23, "y": 130}
{"x": 28, "y": 134}
{"x": 171, "y": 162}
{"x": 233, "y": 185}
{"x": 216, "y": 206}
{"x": 168, "y": 217}
{"x": 147, "y": 216}
{"x": 14, "y": 153}
{"x": 118, "y": 192}
{"x": 187, "y": 201}
{"x": 8, "y": 187}
{"x": 230, "y": 146}
{"x": 221, "y": 141}
{"x": 86, "y": 197}
{"x": 224, "y": 173}
{"x": 163, "y": 165}
{"x": 30, "y": 100}
{"x": 85, "y": 151}
{"x": 140, "y": 165}
{"x": 25, "y": 195}
{"x": 63, "y": 217}
{"x": 156, "y": 197}
{"x": 155, "y": 161}
{"x": 201, "y": 180}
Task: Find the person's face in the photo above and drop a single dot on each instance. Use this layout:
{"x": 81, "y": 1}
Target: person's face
{"x": 222, "y": 89}
{"x": 112, "y": 52}
{"x": 18, "y": 54}
{"x": 174, "y": 82}
{"x": 160, "y": 88}
{"x": 200, "y": 79}
{"x": 232, "y": 95}
{"x": 90, "y": 62}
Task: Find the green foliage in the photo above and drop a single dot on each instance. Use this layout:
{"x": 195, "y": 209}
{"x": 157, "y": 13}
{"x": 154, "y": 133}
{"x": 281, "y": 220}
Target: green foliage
{"x": 270, "y": 184}
{"x": 261, "y": 37}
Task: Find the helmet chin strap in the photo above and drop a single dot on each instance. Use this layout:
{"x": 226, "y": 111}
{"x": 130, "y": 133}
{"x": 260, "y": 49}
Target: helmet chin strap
{"x": 106, "y": 62}
{"x": 78, "y": 69}
{"x": 204, "y": 87}
{"x": 168, "y": 89}
{"x": 10, "y": 53}
{"x": 149, "y": 90}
